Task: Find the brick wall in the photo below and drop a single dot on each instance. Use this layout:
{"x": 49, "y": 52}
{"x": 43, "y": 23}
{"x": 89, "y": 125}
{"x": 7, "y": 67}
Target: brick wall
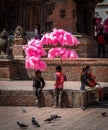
{"x": 69, "y": 21}
{"x": 15, "y": 69}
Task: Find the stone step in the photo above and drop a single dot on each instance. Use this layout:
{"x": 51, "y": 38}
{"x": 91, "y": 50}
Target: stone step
{"x": 20, "y": 93}
{"x": 70, "y": 99}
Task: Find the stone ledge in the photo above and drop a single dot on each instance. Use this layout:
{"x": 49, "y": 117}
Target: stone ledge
{"x": 70, "y": 99}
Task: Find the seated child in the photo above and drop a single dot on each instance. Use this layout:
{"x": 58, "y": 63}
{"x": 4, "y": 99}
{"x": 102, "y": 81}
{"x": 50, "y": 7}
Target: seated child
{"x": 38, "y": 85}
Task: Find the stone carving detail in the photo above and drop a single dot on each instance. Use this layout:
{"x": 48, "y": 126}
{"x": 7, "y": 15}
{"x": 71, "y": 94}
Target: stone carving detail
{"x": 19, "y": 33}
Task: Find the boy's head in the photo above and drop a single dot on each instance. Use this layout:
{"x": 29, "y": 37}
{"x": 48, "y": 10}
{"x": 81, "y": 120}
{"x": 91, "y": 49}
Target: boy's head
{"x": 88, "y": 68}
{"x": 38, "y": 73}
{"x": 58, "y": 68}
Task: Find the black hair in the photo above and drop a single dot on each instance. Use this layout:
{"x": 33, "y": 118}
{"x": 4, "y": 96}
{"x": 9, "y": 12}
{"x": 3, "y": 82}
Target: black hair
{"x": 87, "y": 67}
{"x": 58, "y": 68}
{"x": 101, "y": 30}
{"x": 37, "y": 72}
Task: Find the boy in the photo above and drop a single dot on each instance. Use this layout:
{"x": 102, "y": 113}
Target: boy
{"x": 38, "y": 85}
{"x": 59, "y": 82}
{"x": 83, "y": 79}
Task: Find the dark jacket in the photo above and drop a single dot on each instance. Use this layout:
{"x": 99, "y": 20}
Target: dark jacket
{"x": 38, "y": 82}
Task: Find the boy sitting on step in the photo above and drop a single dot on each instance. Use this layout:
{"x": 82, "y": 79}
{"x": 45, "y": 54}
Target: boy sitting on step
{"x": 38, "y": 85}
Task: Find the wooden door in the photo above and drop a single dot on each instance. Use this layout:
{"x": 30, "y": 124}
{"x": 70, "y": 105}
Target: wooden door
{"x": 33, "y": 18}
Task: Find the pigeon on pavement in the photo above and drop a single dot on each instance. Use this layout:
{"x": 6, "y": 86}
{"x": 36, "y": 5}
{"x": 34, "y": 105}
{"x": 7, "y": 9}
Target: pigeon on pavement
{"x": 21, "y": 125}
{"x": 49, "y": 119}
{"x": 55, "y": 116}
{"x": 83, "y": 108}
{"x": 24, "y": 110}
{"x": 104, "y": 114}
{"x": 34, "y": 122}
{"x": 52, "y": 117}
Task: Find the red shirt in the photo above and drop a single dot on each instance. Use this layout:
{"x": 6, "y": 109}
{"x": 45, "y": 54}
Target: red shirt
{"x": 59, "y": 80}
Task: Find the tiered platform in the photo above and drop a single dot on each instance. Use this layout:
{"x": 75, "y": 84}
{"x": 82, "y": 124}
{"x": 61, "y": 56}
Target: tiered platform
{"x": 20, "y": 93}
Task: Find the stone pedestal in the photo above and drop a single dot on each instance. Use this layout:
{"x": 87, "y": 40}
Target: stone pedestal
{"x": 17, "y": 48}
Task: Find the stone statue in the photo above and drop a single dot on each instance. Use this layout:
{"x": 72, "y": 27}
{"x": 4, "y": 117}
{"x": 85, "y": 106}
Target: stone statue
{"x": 19, "y": 33}
{"x": 4, "y": 42}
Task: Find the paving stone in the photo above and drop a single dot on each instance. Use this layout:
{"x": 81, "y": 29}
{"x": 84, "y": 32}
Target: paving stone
{"x": 71, "y": 119}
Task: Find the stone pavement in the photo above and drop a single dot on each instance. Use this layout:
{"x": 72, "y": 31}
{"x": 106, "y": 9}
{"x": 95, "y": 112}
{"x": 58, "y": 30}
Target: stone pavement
{"x": 71, "y": 119}
{"x": 27, "y": 85}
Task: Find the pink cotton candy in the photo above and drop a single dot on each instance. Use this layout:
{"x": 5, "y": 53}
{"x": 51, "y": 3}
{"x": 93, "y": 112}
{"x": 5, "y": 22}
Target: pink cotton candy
{"x": 58, "y": 32}
{"x": 59, "y": 36}
{"x": 98, "y": 20}
{"x": 42, "y": 65}
{"x": 65, "y": 55}
{"x": 29, "y": 63}
{"x": 73, "y": 54}
{"x": 35, "y": 63}
{"x": 54, "y": 52}
{"x": 75, "y": 41}
{"x": 60, "y": 39}
{"x": 106, "y": 29}
{"x": 35, "y": 51}
{"x": 45, "y": 39}
{"x": 98, "y": 27}
{"x": 105, "y": 23}
{"x": 62, "y": 52}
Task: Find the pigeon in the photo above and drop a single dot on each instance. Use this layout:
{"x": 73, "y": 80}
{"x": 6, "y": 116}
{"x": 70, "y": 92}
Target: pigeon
{"x": 34, "y": 122}
{"x": 52, "y": 117}
{"x": 49, "y": 119}
{"x": 83, "y": 108}
{"x": 24, "y": 110}
{"x": 104, "y": 114}
{"x": 21, "y": 125}
{"x": 55, "y": 116}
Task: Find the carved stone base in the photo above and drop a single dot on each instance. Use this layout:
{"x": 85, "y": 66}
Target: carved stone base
{"x": 19, "y": 41}
{"x": 17, "y": 48}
